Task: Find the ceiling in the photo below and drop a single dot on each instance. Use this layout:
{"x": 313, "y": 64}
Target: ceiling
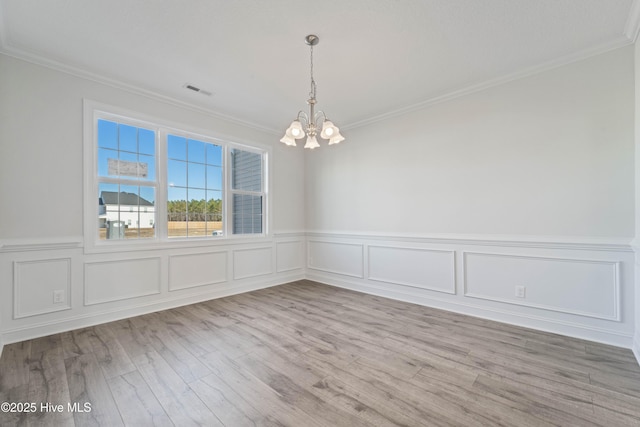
{"x": 375, "y": 57}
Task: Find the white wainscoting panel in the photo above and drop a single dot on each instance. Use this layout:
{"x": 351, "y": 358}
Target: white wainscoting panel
{"x": 289, "y": 256}
{"x": 419, "y": 268}
{"x": 34, "y": 283}
{"x": 583, "y": 287}
{"x": 106, "y": 281}
{"x": 346, "y": 259}
{"x": 252, "y": 262}
{"x": 192, "y": 270}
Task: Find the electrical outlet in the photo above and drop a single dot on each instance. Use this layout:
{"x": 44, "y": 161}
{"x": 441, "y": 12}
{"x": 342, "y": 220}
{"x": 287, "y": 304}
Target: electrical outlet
{"x": 58, "y": 296}
{"x": 521, "y": 291}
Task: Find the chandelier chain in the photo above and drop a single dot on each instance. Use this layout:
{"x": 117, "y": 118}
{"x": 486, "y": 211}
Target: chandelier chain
{"x": 312, "y": 94}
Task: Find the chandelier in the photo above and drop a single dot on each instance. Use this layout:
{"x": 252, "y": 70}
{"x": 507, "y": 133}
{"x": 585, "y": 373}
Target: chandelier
{"x": 309, "y": 124}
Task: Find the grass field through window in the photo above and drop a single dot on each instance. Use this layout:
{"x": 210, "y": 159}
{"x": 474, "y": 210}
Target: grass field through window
{"x": 175, "y": 229}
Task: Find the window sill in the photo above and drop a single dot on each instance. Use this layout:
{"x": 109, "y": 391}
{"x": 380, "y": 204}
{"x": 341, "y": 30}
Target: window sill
{"x": 174, "y": 243}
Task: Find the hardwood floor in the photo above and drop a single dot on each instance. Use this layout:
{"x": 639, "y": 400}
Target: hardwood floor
{"x": 306, "y": 354}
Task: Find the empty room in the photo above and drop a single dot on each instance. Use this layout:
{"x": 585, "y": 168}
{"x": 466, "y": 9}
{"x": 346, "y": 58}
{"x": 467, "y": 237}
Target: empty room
{"x": 329, "y": 213}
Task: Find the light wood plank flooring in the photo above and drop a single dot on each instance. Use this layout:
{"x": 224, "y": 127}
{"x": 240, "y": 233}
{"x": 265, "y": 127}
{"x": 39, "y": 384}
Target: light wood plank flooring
{"x": 306, "y": 354}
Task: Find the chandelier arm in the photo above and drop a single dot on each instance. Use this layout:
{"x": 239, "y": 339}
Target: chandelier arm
{"x": 318, "y": 114}
{"x": 303, "y": 117}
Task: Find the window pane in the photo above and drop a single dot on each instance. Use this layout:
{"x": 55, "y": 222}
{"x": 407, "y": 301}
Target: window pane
{"x": 146, "y": 142}
{"x": 107, "y": 134}
{"x": 177, "y": 173}
{"x": 176, "y": 147}
{"x": 200, "y": 211}
{"x": 103, "y": 161}
{"x": 103, "y": 206}
{"x": 177, "y": 212}
{"x": 196, "y": 177}
{"x": 246, "y": 177}
{"x": 128, "y": 165}
{"x": 214, "y": 155}
{"x": 118, "y": 154}
{"x": 214, "y": 178}
{"x": 126, "y": 212}
{"x": 195, "y": 151}
{"x": 196, "y": 210}
{"x": 246, "y": 170}
{"x": 147, "y": 166}
{"x": 247, "y": 214}
{"x": 214, "y": 213}
{"x": 128, "y": 138}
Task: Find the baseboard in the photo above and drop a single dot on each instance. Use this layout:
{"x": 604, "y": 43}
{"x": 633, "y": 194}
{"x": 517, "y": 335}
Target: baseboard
{"x": 470, "y": 308}
{"x": 95, "y": 318}
{"x": 636, "y": 346}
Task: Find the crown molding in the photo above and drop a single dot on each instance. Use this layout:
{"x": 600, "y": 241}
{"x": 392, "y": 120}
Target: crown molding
{"x": 620, "y": 42}
{"x": 36, "y": 59}
{"x": 3, "y": 31}
{"x": 632, "y": 27}
{"x": 631, "y": 31}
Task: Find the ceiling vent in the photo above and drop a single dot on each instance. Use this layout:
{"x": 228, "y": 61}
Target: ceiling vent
{"x": 197, "y": 89}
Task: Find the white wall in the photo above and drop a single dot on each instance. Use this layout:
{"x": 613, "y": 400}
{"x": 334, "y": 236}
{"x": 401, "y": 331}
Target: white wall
{"x": 527, "y": 183}
{"x": 41, "y": 242}
{"x": 551, "y": 154}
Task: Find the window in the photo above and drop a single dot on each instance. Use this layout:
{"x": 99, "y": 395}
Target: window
{"x": 126, "y": 180}
{"x": 246, "y": 189}
{"x": 194, "y": 171}
{"x": 158, "y": 183}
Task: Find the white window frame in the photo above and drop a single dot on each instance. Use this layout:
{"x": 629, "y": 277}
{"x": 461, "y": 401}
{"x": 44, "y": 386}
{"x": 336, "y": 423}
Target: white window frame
{"x": 93, "y": 111}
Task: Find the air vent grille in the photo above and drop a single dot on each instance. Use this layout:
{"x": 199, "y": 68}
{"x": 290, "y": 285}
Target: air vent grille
{"x": 194, "y": 88}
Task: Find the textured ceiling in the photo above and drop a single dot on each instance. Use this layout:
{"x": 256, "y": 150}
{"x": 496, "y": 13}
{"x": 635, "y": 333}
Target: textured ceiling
{"x": 375, "y": 57}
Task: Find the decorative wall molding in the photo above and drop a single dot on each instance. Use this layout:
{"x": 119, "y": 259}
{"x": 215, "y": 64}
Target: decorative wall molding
{"x": 252, "y": 262}
{"x": 197, "y": 269}
{"x": 28, "y": 277}
{"x": 46, "y": 244}
{"x": 123, "y": 279}
{"x": 474, "y": 308}
{"x": 580, "y": 281}
{"x": 113, "y": 285}
{"x": 414, "y": 267}
{"x": 534, "y": 268}
{"x": 348, "y": 258}
{"x": 137, "y": 308}
{"x": 541, "y": 242}
{"x": 289, "y": 256}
